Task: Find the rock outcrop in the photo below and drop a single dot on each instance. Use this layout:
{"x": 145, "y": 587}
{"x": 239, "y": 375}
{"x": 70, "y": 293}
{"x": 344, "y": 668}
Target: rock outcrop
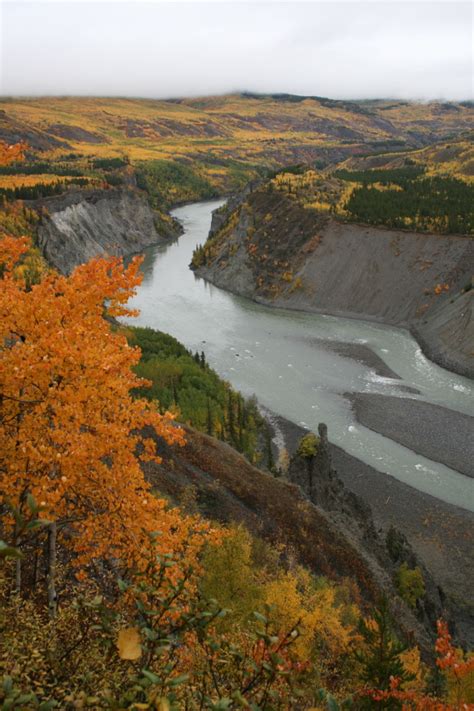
{"x": 384, "y": 551}
{"x": 80, "y": 225}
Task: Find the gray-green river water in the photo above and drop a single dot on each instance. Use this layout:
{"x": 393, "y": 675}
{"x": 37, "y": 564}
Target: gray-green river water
{"x": 272, "y": 354}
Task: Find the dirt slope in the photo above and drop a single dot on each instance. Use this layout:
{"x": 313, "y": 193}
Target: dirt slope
{"x": 447, "y": 337}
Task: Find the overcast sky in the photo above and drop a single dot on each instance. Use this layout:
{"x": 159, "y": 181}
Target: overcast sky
{"x": 403, "y": 49}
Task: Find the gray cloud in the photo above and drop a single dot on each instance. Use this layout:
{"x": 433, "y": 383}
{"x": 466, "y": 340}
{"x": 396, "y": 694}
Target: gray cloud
{"x": 157, "y": 49}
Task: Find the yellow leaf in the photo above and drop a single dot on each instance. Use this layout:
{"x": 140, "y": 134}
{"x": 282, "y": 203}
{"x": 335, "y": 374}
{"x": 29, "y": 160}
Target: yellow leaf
{"x": 128, "y": 644}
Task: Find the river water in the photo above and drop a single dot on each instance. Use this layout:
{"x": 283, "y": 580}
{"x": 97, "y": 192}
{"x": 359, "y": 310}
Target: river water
{"x": 280, "y": 356}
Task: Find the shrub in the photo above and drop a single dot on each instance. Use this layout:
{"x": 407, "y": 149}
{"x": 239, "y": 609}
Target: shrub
{"x": 308, "y": 446}
{"x": 410, "y": 584}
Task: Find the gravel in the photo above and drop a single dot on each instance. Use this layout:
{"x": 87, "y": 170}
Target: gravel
{"x": 435, "y": 432}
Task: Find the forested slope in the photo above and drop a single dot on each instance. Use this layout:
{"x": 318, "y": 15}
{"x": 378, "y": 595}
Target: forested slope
{"x": 217, "y": 143}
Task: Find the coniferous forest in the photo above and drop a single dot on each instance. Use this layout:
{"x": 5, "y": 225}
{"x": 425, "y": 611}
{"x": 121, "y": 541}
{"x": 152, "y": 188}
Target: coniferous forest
{"x": 410, "y": 200}
{"x": 184, "y": 383}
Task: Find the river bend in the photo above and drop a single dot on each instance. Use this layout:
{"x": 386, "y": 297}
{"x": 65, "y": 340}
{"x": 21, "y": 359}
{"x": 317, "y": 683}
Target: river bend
{"x": 287, "y": 359}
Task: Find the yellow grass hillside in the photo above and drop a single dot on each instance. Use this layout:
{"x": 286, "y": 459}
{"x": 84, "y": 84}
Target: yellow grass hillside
{"x": 454, "y": 158}
{"x": 226, "y": 133}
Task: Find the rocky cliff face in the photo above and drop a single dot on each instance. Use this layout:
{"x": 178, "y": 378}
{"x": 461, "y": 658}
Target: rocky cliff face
{"x": 385, "y": 549}
{"x": 78, "y": 226}
{"x": 276, "y": 252}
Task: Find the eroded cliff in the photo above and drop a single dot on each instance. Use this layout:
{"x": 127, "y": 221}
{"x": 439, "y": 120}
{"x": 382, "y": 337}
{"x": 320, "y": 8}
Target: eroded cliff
{"x": 277, "y": 252}
{"x": 80, "y": 225}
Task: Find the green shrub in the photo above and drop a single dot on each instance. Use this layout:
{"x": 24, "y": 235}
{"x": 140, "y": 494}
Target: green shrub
{"x": 410, "y": 584}
{"x": 308, "y": 446}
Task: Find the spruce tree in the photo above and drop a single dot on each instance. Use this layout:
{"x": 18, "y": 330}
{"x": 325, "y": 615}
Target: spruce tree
{"x": 380, "y": 656}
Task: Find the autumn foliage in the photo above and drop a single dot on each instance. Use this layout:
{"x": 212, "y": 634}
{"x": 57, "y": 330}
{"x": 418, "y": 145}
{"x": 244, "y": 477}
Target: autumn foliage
{"x": 158, "y": 610}
{"x": 11, "y": 153}
{"x": 71, "y": 436}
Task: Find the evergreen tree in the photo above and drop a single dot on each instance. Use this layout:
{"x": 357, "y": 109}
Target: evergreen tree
{"x": 209, "y": 425}
{"x": 380, "y": 656}
{"x": 230, "y": 417}
{"x": 240, "y": 423}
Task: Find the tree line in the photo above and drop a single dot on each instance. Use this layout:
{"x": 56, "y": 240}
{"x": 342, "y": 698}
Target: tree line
{"x": 438, "y": 204}
{"x": 400, "y": 176}
{"x": 184, "y": 382}
{"x": 41, "y": 190}
{"x": 40, "y": 168}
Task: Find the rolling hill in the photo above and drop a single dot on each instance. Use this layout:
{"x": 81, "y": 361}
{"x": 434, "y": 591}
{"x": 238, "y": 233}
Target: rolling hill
{"x": 226, "y": 139}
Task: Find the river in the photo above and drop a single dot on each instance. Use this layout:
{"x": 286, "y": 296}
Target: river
{"x": 284, "y": 359}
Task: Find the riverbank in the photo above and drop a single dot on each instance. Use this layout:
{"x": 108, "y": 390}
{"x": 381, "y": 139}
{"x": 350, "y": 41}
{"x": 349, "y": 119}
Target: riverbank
{"x": 441, "y": 535}
{"x": 435, "y": 432}
{"x": 274, "y": 251}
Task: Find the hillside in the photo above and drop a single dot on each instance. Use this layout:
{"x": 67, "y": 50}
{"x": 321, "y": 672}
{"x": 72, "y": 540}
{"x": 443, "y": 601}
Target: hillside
{"x": 228, "y": 139}
{"x": 191, "y": 149}
{"x": 454, "y": 157}
{"x": 330, "y": 530}
{"x": 78, "y": 226}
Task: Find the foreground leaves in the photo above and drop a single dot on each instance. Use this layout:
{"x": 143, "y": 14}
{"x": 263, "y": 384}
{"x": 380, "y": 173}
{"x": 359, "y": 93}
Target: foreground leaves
{"x": 69, "y": 430}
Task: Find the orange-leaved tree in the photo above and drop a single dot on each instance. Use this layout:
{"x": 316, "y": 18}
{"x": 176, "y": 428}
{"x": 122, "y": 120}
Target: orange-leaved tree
{"x": 458, "y": 668}
{"x": 71, "y": 436}
{"x": 11, "y": 153}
